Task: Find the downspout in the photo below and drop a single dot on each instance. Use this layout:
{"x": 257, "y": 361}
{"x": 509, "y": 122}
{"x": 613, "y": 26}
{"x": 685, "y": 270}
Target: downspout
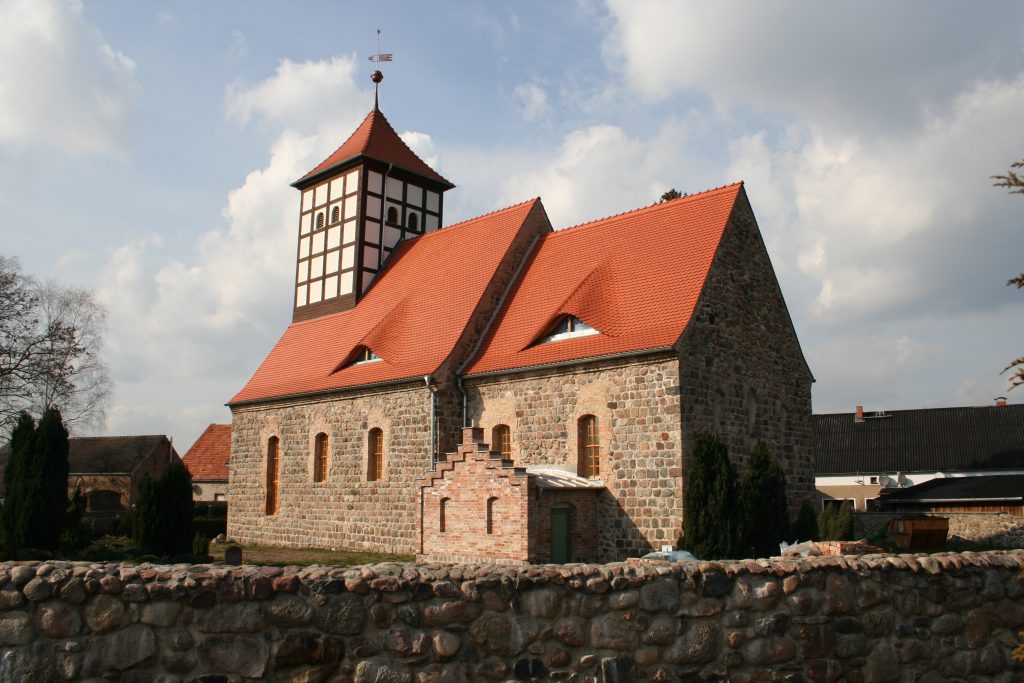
{"x": 433, "y": 420}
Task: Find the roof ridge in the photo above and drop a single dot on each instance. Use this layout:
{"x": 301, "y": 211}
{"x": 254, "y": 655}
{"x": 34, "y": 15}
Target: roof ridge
{"x": 123, "y": 436}
{"x": 649, "y": 207}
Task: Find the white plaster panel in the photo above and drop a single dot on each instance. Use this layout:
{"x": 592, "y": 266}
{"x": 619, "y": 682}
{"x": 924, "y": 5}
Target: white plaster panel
{"x": 316, "y": 266}
{"x": 433, "y": 201}
{"x": 315, "y": 291}
{"x": 373, "y": 207}
{"x": 332, "y": 260}
{"x": 348, "y": 257}
{"x": 349, "y": 236}
{"x": 430, "y": 223}
{"x": 331, "y": 287}
{"x": 370, "y": 257}
{"x": 318, "y": 242}
{"x": 300, "y": 295}
{"x": 352, "y": 182}
{"x": 371, "y": 232}
{"x": 345, "y": 283}
{"x": 414, "y": 195}
{"x": 391, "y": 236}
{"x": 307, "y": 200}
{"x": 337, "y": 187}
{"x": 394, "y": 189}
{"x": 303, "y": 246}
{"x": 305, "y": 224}
{"x": 321, "y": 195}
{"x": 351, "y": 206}
{"x": 303, "y": 271}
{"x": 367, "y": 279}
{"x": 333, "y": 237}
{"x": 374, "y": 181}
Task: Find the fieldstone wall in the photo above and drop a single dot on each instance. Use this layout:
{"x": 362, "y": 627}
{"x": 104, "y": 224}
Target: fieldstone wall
{"x": 345, "y": 510}
{"x": 999, "y": 529}
{"x": 636, "y": 403}
{"x": 742, "y": 372}
{"x": 872, "y": 619}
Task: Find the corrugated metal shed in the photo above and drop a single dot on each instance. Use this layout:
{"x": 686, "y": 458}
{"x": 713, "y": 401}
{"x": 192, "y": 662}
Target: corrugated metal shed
{"x": 932, "y": 439}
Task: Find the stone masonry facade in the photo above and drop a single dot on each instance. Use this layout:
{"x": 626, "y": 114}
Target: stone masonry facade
{"x": 874, "y": 619}
{"x": 495, "y": 512}
{"x": 345, "y": 510}
{"x": 637, "y": 409}
{"x": 741, "y": 371}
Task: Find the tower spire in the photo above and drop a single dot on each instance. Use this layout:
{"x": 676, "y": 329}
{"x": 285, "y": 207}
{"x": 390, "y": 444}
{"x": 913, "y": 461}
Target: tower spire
{"x": 377, "y": 76}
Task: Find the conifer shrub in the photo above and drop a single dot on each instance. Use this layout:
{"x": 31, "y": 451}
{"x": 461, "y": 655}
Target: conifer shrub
{"x": 764, "y": 505}
{"x": 836, "y": 524}
{"x": 163, "y": 514}
{"x": 15, "y": 514}
{"x": 805, "y": 525}
{"x": 711, "y": 522}
{"x": 49, "y": 482}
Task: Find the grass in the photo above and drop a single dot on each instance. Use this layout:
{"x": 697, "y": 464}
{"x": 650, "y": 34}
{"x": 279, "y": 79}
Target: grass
{"x": 282, "y": 557}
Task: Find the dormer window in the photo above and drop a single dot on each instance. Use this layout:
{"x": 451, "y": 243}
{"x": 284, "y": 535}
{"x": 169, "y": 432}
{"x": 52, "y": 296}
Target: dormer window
{"x": 365, "y": 355}
{"x": 568, "y": 327}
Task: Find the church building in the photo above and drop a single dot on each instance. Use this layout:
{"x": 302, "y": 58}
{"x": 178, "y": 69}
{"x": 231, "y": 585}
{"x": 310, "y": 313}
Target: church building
{"x": 502, "y": 390}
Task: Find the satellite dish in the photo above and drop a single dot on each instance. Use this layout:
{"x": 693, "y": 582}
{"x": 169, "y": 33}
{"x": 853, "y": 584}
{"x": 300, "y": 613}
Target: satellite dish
{"x": 884, "y": 480}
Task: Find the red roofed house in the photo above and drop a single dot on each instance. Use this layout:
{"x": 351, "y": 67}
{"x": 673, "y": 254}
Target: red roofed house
{"x": 207, "y": 462}
{"x": 587, "y": 358}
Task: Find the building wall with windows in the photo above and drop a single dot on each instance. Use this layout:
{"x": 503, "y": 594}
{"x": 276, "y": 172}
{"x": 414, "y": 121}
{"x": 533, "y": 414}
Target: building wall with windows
{"x": 635, "y": 403}
{"x": 348, "y": 508}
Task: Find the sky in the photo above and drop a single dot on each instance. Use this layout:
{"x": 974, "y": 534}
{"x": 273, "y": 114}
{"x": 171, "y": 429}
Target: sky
{"x": 147, "y": 151}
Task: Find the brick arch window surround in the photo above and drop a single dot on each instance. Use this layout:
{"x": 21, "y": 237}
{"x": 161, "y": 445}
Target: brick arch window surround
{"x": 492, "y": 502}
{"x": 501, "y": 441}
{"x": 589, "y": 450}
{"x": 375, "y": 455}
{"x": 273, "y": 474}
{"x": 320, "y": 463}
{"x": 442, "y": 512}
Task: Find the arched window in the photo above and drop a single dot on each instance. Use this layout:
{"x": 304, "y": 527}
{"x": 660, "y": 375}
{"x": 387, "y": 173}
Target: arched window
{"x": 501, "y": 441}
{"x": 392, "y": 214}
{"x": 589, "y": 455}
{"x": 442, "y": 510}
{"x": 375, "y": 455}
{"x": 320, "y": 458}
{"x": 273, "y": 474}
{"x": 319, "y": 219}
{"x": 491, "y": 503}
{"x": 413, "y": 221}
{"x": 335, "y": 214}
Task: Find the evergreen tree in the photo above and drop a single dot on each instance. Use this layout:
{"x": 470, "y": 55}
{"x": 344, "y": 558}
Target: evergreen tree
{"x": 763, "y": 500}
{"x": 827, "y": 523}
{"x": 842, "y": 528}
{"x": 15, "y": 514}
{"x": 48, "y": 482}
{"x": 805, "y": 526}
{"x": 711, "y": 521}
{"x": 163, "y": 514}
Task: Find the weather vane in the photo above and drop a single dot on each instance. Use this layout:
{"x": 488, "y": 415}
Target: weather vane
{"x": 377, "y": 76}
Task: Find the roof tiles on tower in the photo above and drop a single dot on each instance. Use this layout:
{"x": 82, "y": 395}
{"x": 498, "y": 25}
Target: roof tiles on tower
{"x": 376, "y": 139}
{"x": 412, "y": 317}
{"x": 635, "y": 277}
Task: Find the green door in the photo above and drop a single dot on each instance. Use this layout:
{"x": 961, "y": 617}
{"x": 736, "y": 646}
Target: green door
{"x": 561, "y": 533}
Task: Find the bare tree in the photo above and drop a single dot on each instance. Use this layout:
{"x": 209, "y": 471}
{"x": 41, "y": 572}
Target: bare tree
{"x": 1014, "y": 183}
{"x": 50, "y": 342}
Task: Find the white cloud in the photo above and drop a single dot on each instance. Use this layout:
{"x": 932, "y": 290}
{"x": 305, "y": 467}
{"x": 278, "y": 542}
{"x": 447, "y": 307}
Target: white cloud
{"x": 237, "y": 46}
{"x": 79, "y": 94}
{"x": 423, "y": 145}
{"x": 532, "y": 100}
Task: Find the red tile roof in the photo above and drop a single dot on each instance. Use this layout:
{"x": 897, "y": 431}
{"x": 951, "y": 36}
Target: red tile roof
{"x": 207, "y": 460}
{"x": 635, "y": 277}
{"x": 376, "y": 139}
{"x": 412, "y": 316}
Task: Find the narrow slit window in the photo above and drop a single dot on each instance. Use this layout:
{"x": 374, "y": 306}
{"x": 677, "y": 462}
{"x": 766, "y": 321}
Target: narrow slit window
{"x": 319, "y": 220}
{"x": 413, "y": 222}
{"x": 320, "y": 458}
{"x": 392, "y": 214}
{"x": 375, "y": 455}
{"x": 273, "y": 474}
{"x": 442, "y": 510}
{"x": 589, "y": 455}
{"x": 491, "y": 503}
{"x": 335, "y": 214}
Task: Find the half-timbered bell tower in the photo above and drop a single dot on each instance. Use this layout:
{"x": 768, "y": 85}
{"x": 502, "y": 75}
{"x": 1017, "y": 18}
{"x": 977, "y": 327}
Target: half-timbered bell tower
{"x": 356, "y": 207}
